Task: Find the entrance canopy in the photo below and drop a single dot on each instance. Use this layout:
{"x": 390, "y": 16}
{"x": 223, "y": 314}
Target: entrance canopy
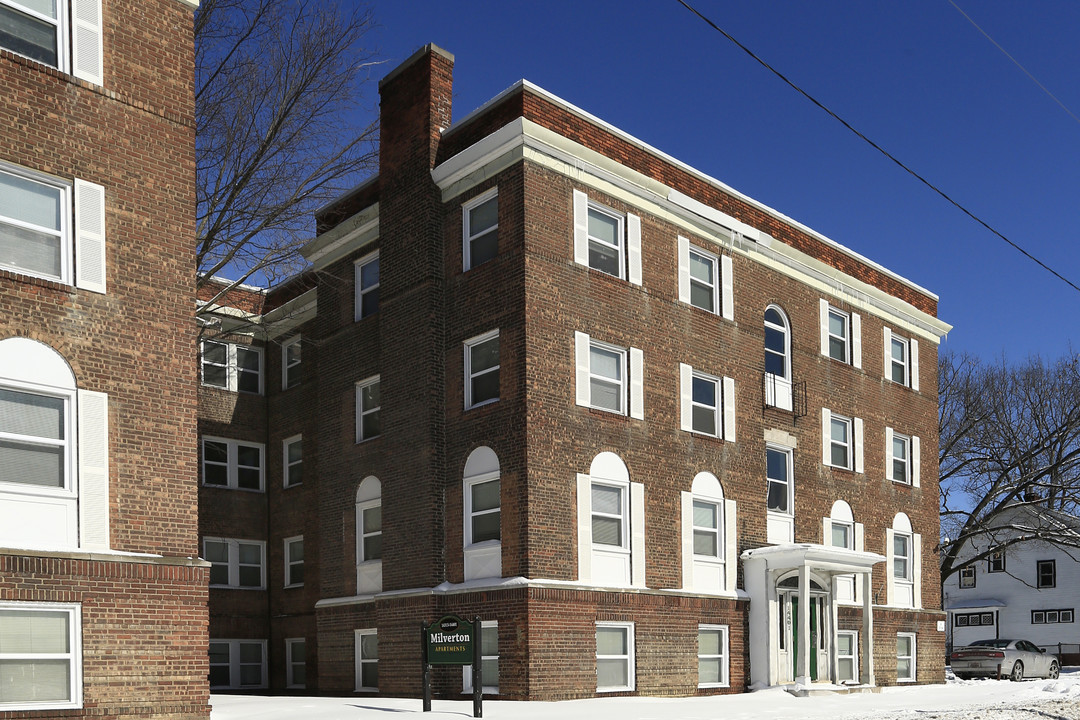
{"x": 822, "y": 559}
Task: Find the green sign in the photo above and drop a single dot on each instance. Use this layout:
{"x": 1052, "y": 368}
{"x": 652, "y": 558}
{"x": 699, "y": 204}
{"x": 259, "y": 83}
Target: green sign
{"x": 449, "y": 641}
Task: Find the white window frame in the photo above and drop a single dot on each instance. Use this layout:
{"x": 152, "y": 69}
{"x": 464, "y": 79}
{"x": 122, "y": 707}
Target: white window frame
{"x": 708, "y": 573}
{"x": 73, "y": 656}
{"x": 290, "y": 563}
{"x": 470, "y": 482}
{"x": 69, "y": 488}
{"x": 287, "y": 365}
{"x": 287, "y": 464}
{"x": 623, "y": 516}
{"x": 847, "y": 444}
{"x": 850, "y": 339}
{"x": 359, "y": 290}
{"x": 789, "y": 481}
{"x": 368, "y": 570}
{"x": 362, "y": 411}
{"x": 995, "y": 562}
{"x": 60, "y": 23}
{"x": 232, "y": 463}
{"x": 906, "y": 558}
{"x": 628, "y": 658}
{"x": 900, "y": 363}
{"x": 470, "y": 376}
{"x": 909, "y": 363}
{"x": 360, "y": 661}
{"x": 235, "y": 665}
{"x": 723, "y": 657}
{"x": 912, "y": 676}
{"x": 1039, "y": 574}
{"x": 233, "y": 563}
{"x": 717, "y": 532}
{"x": 853, "y": 656}
{"x": 628, "y": 238}
{"x": 621, "y": 383}
{"x": 912, "y": 462}
{"x": 712, "y": 288}
{"x": 844, "y": 339}
{"x": 63, "y": 233}
{"x": 489, "y": 688}
{"x": 467, "y": 236}
{"x": 967, "y": 577}
{"x": 632, "y": 369}
{"x": 620, "y": 244}
{"x": 233, "y": 371}
{"x": 362, "y": 532}
{"x": 82, "y": 31}
{"x": 905, "y": 443}
{"x": 291, "y": 663}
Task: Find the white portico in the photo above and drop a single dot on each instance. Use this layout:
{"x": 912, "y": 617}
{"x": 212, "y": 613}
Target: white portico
{"x": 804, "y": 646}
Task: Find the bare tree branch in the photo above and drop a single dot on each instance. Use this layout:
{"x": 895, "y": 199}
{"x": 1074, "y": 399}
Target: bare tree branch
{"x": 278, "y": 129}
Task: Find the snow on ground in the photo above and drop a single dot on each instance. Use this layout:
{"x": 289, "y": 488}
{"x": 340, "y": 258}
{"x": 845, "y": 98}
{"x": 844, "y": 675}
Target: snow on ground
{"x": 955, "y": 700}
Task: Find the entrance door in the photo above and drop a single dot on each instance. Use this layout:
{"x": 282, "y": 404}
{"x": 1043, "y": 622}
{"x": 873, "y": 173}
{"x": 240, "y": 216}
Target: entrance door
{"x": 789, "y": 646}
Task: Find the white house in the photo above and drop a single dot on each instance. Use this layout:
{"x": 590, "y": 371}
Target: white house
{"x": 1030, "y": 590}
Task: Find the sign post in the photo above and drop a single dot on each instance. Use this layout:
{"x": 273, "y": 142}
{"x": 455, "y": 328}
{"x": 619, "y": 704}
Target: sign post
{"x": 452, "y": 640}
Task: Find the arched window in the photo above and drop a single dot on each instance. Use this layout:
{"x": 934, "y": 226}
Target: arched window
{"x": 483, "y": 515}
{"x": 369, "y": 536}
{"x": 777, "y": 358}
{"x": 841, "y": 530}
{"x": 54, "y": 492}
{"x": 708, "y": 524}
{"x": 903, "y": 550}
{"x": 611, "y": 524}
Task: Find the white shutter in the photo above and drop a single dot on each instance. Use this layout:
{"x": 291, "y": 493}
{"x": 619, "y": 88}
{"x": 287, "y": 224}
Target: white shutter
{"x": 890, "y": 578}
{"x": 916, "y": 461}
{"x": 93, "y": 433}
{"x": 686, "y": 408}
{"x": 86, "y": 40}
{"x": 729, "y": 409}
{"x": 637, "y": 534}
{"x": 856, "y": 340}
{"x": 826, "y": 426}
{"x": 826, "y": 531}
{"x": 823, "y": 313}
{"x": 916, "y": 570}
{"x": 888, "y": 453}
{"x": 727, "y": 297}
{"x": 581, "y": 363}
{"x": 886, "y": 344}
{"x": 857, "y": 424}
{"x": 584, "y": 527}
{"x": 731, "y": 546}
{"x": 913, "y": 352}
{"x": 637, "y": 384}
{"x": 89, "y": 236}
{"x": 633, "y": 247}
{"x": 581, "y": 228}
{"x": 687, "y": 540}
{"x": 684, "y": 269}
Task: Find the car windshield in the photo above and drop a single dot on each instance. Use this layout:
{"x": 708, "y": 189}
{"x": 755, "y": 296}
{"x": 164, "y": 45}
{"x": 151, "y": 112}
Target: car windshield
{"x": 993, "y": 643}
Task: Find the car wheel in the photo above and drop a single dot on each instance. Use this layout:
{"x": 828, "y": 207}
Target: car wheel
{"x": 1055, "y": 670}
{"x": 1017, "y": 673}
{"x": 962, "y": 676}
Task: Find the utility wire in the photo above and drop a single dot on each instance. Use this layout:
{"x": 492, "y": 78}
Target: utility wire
{"x": 1015, "y": 62}
{"x": 880, "y": 149}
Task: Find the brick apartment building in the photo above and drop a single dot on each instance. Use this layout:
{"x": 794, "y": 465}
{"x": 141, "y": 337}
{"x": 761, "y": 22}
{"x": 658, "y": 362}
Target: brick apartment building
{"x": 559, "y": 380}
{"x": 102, "y": 595}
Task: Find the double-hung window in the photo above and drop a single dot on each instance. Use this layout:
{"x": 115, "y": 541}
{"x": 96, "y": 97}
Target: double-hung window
{"x": 901, "y": 359}
{"x": 237, "y": 664}
{"x": 611, "y": 524}
{"x": 232, "y": 464}
{"x": 614, "y": 656}
{"x": 1047, "y": 573}
{"x": 483, "y": 506}
{"x": 295, "y": 662}
{"x": 367, "y": 660}
{"x": 368, "y": 405}
{"x": 847, "y": 655}
{"x": 292, "y": 452}
{"x": 290, "y": 363}
{"x": 480, "y": 229}
{"x": 607, "y": 240}
{"x": 705, "y": 280}
{"x": 778, "y": 473}
{"x": 708, "y": 523}
{"x": 967, "y": 577}
{"x": 236, "y": 563}
{"x": 489, "y": 660}
{"x": 610, "y": 514}
{"x": 902, "y": 458}
{"x": 233, "y": 367}
{"x": 294, "y": 561}
{"x": 366, "y": 274}
{"x": 842, "y": 441}
{"x": 609, "y": 377}
{"x": 707, "y": 529}
{"x": 39, "y": 30}
{"x": 712, "y": 656}
{"x": 995, "y": 563}
{"x": 482, "y": 369}
{"x": 369, "y": 536}
{"x": 707, "y": 403}
{"x": 903, "y": 553}
{"x": 902, "y": 556}
{"x": 40, "y": 656}
{"x": 840, "y": 335}
{"x": 36, "y": 446}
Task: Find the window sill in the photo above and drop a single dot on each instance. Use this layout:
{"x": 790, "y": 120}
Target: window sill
{"x": 485, "y": 403}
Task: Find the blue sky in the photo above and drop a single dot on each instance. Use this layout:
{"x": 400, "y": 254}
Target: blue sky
{"x": 916, "y": 77}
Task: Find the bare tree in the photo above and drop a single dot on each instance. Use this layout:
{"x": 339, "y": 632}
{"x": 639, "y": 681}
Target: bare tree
{"x": 278, "y": 129}
{"x": 1009, "y": 456}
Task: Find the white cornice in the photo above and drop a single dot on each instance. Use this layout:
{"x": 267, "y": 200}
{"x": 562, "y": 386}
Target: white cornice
{"x": 350, "y": 234}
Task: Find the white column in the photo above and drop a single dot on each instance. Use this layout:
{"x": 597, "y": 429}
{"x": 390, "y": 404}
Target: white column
{"x": 803, "y": 630}
{"x": 867, "y": 665}
{"x": 834, "y": 665}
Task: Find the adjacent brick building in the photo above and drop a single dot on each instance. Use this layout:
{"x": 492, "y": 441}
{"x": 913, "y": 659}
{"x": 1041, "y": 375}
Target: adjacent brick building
{"x": 559, "y": 380}
{"x": 102, "y": 595}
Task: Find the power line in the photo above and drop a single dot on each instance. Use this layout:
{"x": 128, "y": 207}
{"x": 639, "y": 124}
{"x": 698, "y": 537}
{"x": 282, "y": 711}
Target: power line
{"x": 1015, "y": 62}
{"x": 877, "y": 147}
